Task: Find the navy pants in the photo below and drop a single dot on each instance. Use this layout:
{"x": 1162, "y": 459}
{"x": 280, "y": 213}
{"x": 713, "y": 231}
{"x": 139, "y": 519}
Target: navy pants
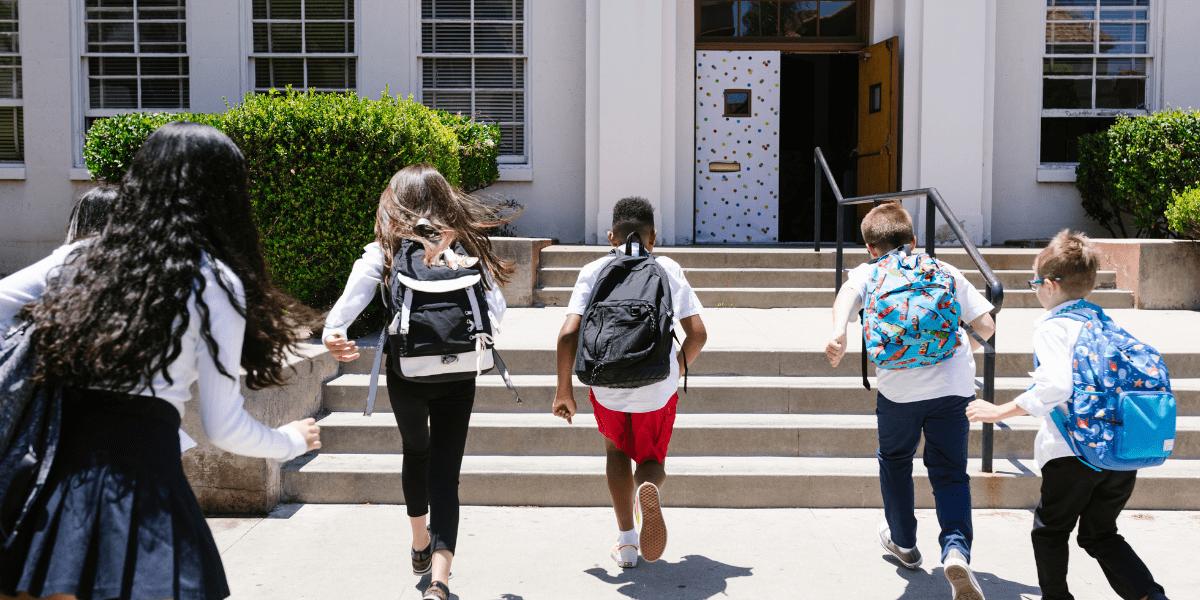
{"x": 944, "y": 423}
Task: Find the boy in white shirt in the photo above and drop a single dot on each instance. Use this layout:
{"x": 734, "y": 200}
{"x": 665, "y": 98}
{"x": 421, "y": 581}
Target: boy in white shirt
{"x": 1072, "y": 491}
{"x": 636, "y": 422}
{"x": 929, "y": 400}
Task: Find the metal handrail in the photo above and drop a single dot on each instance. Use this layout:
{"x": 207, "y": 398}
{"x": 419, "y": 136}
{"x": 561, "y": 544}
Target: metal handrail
{"x": 933, "y": 200}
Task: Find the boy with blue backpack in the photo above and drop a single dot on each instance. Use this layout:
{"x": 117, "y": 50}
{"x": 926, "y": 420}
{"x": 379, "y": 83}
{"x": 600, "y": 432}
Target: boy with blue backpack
{"x": 913, "y": 305}
{"x": 1107, "y": 410}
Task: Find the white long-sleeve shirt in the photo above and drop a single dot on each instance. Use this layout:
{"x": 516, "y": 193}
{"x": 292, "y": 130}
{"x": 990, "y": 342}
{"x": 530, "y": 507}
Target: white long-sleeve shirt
{"x": 365, "y": 277}
{"x": 225, "y": 421}
{"x": 1053, "y": 344}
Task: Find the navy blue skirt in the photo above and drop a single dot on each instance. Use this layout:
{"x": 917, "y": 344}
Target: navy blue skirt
{"x": 117, "y": 518}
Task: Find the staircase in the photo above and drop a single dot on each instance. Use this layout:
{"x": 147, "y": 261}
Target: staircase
{"x": 766, "y": 422}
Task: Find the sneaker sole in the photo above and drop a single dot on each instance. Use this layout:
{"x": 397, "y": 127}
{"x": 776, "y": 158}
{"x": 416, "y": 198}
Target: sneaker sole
{"x": 964, "y": 587}
{"x": 653, "y": 538}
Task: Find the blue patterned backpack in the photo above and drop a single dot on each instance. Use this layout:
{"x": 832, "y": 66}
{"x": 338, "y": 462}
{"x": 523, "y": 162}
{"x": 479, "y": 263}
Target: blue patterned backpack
{"x": 911, "y": 315}
{"x": 1122, "y": 415}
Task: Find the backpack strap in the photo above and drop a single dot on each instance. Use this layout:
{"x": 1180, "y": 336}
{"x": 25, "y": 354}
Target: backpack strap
{"x": 504, "y": 374}
{"x": 375, "y": 364}
{"x": 1059, "y": 415}
{"x": 862, "y": 318}
{"x": 685, "y": 365}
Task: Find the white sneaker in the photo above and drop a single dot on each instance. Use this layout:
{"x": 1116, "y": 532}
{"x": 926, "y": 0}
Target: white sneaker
{"x": 910, "y": 558}
{"x": 961, "y": 578}
{"x": 648, "y": 520}
{"x": 625, "y": 555}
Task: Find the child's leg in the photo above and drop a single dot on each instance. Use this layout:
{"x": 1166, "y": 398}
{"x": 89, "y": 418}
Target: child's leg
{"x": 899, "y": 427}
{"x": 411, "y": 410}
{"x": 1098, "y": 536}
{"x": 1066, "y": 490}
{"x": 620, "y": 484}
{"x": 652, "y": 471}
{"x": 946, "y": 430}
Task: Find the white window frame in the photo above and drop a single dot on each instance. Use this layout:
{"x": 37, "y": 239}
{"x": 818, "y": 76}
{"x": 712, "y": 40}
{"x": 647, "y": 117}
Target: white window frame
{"x": 1064, "y": 171}
{"x": 17, "y": 102}
{"x": 81, "y": 100}
{"x": 250, "y": 85}
{"x": 513, "y": 167}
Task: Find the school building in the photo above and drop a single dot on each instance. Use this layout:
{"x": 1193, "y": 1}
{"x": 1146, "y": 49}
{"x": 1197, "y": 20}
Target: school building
{"x": 711, "y": 109}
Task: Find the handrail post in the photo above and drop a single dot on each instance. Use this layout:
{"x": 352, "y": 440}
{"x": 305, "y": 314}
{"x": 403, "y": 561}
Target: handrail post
{"x": 930, "y": 220}
{"x": 816, "y": 200}
{"x": 837, "y": 263}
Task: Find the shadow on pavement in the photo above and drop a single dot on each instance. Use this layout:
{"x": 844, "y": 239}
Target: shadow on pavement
{"x": 693, "y": 578}
{"x": 922, "y": 585}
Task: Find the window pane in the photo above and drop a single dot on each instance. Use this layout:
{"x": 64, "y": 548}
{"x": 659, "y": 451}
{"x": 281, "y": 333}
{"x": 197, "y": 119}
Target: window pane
{"x": 113, "y": 93}
{"x": 1070, "y": 15}
{"x": 283, "y": 9}
{"x": 329, "y": 9}
{"x": 328, "y": 37}
{"x": 162, "y": 37}
{"x": 1060, "y": 136}
{"x": 1122, "y": 32}
{"x": 1066, "y": 93}
{"x": 1070, "y": 2}
{"x": 10, "y": 77}
{"x": 12, "y": 133}
{"x": 1123, "y": 15}
{"x": 1123, "y": 48}
{"x": 9, "y": 42}
{"x": 1070, "y": 33}
{"x": 111, "y": 65}
{"x": 164, "y": 93}
{"x": 1121, "y": 66}
{"x": 331, "y": 73}
{"x": 446, "y": 72}
{"x": 500, "y": 73}
{"x": 445, "y": 37}
{"x": 760, "y": 19}
{"x": 503, "y": 10}
{"x": 498, "y": 39}
{"x": 8, "y": 9}
{"x": 1067, "y": 66}
{"x": 160, "y": 13}
{"x": 798, "y": 19}
{"x": 446, "y": 9}
{"x": 259, "y": 9}
{"x": 164, "y": 66}
{"x": 279, "y": 72}
{"x": 1124, "y": 2}
{"x": 261, "y": 37}
{"x": 718, "y": 19}
{"x": 512, "y": 139}
{"x": 455, "y": 102}
{"x": 838, "y": 19}
{"x": 1121, "y": 93}
{"x": 500, "y": 106}
{"x": 110, "y": 37}
{"x": 284, "y": 38}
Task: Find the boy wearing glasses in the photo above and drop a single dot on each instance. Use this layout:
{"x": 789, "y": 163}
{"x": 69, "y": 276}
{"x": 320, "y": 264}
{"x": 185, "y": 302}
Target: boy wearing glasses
{"x": 1072, "y": 491}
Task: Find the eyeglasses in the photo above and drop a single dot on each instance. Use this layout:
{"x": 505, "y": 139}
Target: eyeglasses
{"x": 1034, "y": 283}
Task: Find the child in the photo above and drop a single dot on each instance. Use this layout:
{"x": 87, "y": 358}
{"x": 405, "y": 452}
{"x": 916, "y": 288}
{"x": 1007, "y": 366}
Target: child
{"x": 636, "y": 422}
{"x": 928, "y": 399}
{"x": 418, "y": 204}
{"x": 90, "y": 213}
{"x": 1072, "y": 491}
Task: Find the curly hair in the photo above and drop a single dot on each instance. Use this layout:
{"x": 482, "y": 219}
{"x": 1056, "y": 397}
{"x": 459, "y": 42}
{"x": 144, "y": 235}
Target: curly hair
{"x": 115, "y": 314}
{"x": 419, "y": 192}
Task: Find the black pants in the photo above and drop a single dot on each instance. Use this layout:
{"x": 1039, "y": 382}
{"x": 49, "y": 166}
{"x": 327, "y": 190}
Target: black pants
{"x": 433, "y": 420}
{"x": 1073, "y": 491}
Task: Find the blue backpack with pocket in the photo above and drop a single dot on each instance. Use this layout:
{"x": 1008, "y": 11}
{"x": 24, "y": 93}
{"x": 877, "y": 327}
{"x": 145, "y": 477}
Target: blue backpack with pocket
{"x": 911, "y": 313}
{"x": 1122, "y": 414}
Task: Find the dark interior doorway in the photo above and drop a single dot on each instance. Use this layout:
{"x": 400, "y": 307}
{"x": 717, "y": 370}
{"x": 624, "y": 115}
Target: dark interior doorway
{"x": 818, "y": 107}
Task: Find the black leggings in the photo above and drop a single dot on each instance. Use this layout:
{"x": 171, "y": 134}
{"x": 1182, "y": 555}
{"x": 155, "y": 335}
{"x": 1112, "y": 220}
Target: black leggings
{"x": 433, "y": 420}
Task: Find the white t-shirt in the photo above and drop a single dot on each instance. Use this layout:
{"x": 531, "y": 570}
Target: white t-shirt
{"x": 1053, "y": 344}
{"x": 954, "y": 376}
{"x": 685, "y": 304}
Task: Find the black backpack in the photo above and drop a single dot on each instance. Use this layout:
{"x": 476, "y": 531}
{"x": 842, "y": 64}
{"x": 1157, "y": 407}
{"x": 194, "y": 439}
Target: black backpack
{"x": 438, "y": 324}
{"x": 626, "y": 331}
{"x": 30, "y": 417}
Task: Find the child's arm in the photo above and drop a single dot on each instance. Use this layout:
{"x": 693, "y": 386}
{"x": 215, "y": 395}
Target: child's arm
{"x": 984, "y": 411}
{"x": 697, "y": 335}
{"x": 568, "y": 343}
{"x": 1052, "y": 380}
{"x": 985, "y": 326}
{"x": 846, "y": 304}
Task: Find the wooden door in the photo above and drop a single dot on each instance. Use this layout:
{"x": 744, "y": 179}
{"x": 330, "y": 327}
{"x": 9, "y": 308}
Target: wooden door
{"x": 878, "y": 151}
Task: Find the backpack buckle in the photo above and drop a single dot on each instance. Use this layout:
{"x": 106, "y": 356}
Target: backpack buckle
{"x": 449, "y": 358}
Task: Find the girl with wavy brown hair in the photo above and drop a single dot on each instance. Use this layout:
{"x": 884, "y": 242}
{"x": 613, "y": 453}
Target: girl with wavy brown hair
{"x": 419, "y": 205}
{"x": 172, "y": 292}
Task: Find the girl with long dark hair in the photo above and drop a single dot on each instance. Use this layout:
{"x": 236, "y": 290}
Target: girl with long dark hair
{"x": 173, "y": 291}
{"x": 420, "y": 205}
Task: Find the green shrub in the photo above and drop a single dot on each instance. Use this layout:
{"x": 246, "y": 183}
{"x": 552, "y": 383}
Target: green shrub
{"x": 318, "y": 163}
{"x": 478, "y": 149}
{"x": 1135, "y": 166}
{"x": 1183, "y": 216}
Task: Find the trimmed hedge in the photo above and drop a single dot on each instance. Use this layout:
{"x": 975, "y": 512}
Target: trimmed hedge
{"x": 1136, "y": 166}
{"x": 318, "y": 163}
{"x": 1184, "y": 213}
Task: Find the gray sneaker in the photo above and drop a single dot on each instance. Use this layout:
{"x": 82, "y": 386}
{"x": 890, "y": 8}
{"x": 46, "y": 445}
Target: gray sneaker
{"x": 961, "y": 578}
{"x": 910, "y": 559}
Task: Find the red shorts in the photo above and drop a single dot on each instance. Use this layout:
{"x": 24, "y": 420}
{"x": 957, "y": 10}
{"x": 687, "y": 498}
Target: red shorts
{"x": 642, "y": 436}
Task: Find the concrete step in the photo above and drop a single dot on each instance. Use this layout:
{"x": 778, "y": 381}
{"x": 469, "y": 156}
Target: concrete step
{"x": 1013, "y": 280}
{"x": 785, "y": 297}
{"x": 755, "y": 362}
{"x": 727, "y": 481}
{"x": 707, "y": 434}
{"x": 842, "y": 395}
{"x": 783, "y": 257}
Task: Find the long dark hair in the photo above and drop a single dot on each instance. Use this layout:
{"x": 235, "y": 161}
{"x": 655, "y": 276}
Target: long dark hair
{"x": 116, "y": 313}
{"x": 419, "y": 192}
{"x": 90, "y": 213}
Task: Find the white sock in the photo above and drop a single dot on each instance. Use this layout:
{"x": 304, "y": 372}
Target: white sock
{"x": 627, "y": 538}
{"x": 903, "y": 549}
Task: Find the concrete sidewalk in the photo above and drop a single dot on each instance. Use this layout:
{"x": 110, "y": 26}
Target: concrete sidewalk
{"x": 527, "y": 553}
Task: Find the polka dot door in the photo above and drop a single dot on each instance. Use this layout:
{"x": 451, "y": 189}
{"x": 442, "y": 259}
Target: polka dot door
{"x": 737, "y": 146}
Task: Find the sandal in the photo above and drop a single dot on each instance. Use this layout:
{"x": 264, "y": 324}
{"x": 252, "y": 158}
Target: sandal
{"x": 437, "y": 591}
{"x": 422, "y": 560}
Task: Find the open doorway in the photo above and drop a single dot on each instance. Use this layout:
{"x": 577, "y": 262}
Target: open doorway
{"x": 819, "y": 98}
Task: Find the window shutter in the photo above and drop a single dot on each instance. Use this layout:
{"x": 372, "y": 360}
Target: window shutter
{"x": 307, "y": 44}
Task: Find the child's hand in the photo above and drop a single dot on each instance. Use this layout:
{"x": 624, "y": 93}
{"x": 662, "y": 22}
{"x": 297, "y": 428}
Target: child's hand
{"x": 984, "y": 411}
{"x": 564, "y": 406}
{"x": 341, "y": 348}
{"x": 310, "y": 430}
{"x": 836, "y": 349}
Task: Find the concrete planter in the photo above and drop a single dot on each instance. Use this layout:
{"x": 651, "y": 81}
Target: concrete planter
{"x": 227, "y": 483}
{"x": 525, "y": 253}
{"x": 1162, "y": 274}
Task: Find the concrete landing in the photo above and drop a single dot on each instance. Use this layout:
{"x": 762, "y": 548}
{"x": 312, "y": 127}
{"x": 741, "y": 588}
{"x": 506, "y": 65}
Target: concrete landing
{"x": 525, "y": 553}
